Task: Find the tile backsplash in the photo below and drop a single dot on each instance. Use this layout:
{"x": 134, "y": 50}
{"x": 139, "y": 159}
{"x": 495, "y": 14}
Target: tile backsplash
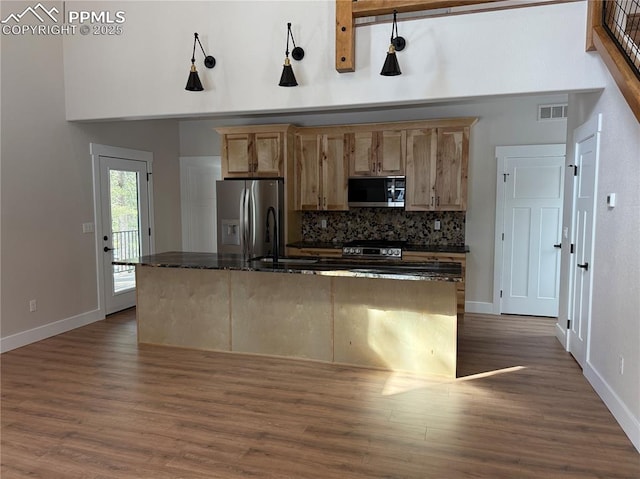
{"x": 385, "y": 223}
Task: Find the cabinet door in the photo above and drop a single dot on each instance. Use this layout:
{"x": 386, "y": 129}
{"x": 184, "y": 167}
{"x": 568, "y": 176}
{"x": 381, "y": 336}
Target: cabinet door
{"x": 269, "y": 154}
{"x": 363, "y": 146}
{"x": 307, "y": 169}
{"x": 390, "y": 153}
{"x": 237, "y": 154}
{"x": 334, "y": 172}
{"x": 451, "y": 169}
{"x": 421, "y": 162}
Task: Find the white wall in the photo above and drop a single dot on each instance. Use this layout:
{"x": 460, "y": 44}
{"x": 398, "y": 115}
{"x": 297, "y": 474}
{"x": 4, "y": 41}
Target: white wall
{"x": 142, "y": 73}
{"x": 47, "y": 191}
{"x": 615, "y": 321}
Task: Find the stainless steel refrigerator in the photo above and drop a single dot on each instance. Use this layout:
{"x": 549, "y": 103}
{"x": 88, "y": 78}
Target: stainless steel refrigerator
{"x": 243, "y": 209}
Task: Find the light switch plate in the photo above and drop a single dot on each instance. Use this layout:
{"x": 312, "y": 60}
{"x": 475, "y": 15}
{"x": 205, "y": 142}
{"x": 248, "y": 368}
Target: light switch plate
{"x": 436, "y": 225}
{"x": 87, "y": 227}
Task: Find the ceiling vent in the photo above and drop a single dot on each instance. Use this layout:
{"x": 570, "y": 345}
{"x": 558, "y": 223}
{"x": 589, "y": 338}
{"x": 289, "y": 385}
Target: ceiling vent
{"x": 552, "y": 112}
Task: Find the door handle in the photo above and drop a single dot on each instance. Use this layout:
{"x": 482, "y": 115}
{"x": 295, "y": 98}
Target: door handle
{"x": 107, "y": 249}
{"x": 559, "y": 245}
{"x": 584, "y": 266}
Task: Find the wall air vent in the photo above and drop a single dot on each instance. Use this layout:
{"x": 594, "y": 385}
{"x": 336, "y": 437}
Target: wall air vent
{"x": 552, "y": 112}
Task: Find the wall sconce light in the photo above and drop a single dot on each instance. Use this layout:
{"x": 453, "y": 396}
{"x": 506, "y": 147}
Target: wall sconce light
{"x": 193, "y": 83}
{"x": 288, "y": 78}
{"x": 391, "y": 66}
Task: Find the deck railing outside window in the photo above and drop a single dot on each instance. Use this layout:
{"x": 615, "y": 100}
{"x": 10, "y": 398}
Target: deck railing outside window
{"x": 126, "y": 245}
{"x": 621, "y": 19}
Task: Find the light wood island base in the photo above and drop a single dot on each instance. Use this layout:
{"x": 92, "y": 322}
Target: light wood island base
{"x": 399, "y": 325}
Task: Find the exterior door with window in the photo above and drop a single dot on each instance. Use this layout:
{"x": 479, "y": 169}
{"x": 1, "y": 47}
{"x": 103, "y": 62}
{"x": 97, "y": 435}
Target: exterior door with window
{"x": 125, "y": 230}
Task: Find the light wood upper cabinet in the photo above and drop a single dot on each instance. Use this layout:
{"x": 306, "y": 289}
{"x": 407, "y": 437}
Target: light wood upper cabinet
{"x": 391, "y": 152}
{"x": 361, "y": 155}
{"x": 269, "y": 155}
{"x": 307, "y": 172}
{"x": 377, "y": 153}
{"x": 334, "y": 172}
{"x": 452, "y": 169}
{"x": 437, "y": 164}
{"x": 421, "y": 168}
{"x": 252, "y": 153}
{"x": 236, "y": 154}
{"x": 321, "y": 172}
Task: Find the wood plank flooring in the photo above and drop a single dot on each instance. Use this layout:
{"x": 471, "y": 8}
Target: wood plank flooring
{"x": 91, "y": 403}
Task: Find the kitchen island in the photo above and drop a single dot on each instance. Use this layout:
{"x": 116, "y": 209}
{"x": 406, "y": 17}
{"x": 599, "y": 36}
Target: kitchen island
{"x": 372, "y": 314}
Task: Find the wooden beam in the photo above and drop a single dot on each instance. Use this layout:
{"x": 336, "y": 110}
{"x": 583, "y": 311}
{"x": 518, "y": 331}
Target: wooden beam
{"x": 345, "y": 37}
{"x": 365, "y": 8}
{"x": 594, "y": 18}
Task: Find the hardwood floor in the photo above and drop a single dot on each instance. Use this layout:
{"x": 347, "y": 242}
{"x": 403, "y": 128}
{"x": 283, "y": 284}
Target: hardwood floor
{"x": 91, "y": 403}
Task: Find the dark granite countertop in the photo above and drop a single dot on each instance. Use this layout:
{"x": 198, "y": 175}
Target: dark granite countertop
{"x": 426, "y": 248}
{"x": 434, "y": 271}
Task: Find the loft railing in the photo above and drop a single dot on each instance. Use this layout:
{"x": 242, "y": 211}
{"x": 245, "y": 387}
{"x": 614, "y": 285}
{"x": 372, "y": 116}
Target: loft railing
{"x": 614, "y": 32}
{"x": 621, "y": 20}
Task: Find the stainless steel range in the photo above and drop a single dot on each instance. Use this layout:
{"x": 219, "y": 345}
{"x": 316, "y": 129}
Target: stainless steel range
{"x": 373, "y": 249}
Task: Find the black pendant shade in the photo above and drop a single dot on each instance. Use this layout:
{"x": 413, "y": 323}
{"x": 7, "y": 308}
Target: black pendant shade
{"x": 288, "y": 78}
{"x": 193, "y": 82}
{"x": 391, "y": 66}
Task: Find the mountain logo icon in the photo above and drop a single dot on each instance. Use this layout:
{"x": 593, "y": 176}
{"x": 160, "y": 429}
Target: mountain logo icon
{"x": 39, "y": 11}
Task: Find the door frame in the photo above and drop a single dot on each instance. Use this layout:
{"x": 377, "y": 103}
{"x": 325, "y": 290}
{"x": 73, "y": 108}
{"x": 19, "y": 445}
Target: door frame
{"x": 97, "y": 150}
{"x": 502, "y": 152}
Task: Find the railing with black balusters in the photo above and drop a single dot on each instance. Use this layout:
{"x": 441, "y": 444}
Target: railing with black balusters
{"x": 621, "y": 20}
{"x": 126, "y": 244}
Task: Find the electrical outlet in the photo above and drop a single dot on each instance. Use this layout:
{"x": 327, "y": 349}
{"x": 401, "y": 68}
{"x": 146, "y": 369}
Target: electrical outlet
{"x": 33, "y": 305}
{"x": 436, "y": 225}
{"x": 323, "y": 224}
{"x": 621, "y": 364}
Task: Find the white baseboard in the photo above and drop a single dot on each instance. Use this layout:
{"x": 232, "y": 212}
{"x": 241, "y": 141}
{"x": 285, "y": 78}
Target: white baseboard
{"x": 48, "y": 330}
{"x": 630, "y": 424}
{"x": 478, "y": 307}
{"x": 561, "y": 335}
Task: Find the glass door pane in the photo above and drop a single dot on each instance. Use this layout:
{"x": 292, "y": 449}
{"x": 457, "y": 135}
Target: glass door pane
{"x": 125, "y": 226}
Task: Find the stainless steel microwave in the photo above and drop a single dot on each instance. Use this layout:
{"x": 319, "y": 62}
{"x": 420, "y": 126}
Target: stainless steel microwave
{"x": 387, "y": 192}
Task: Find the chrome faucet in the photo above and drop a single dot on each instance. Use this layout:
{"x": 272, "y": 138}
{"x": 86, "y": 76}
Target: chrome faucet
{"x": 272, "y": 211}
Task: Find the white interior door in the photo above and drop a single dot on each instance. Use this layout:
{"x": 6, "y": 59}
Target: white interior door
{"x": 533, "y": 183}
{"x": 198, "y": 176}
{"x": 586, "y": 140}
{"x": 125, "y": 227}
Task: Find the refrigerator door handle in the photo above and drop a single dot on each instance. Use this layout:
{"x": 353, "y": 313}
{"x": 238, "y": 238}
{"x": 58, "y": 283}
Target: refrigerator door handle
{"x": 243, "y": 221}
{"x": 247, "y": 221}
{"x": 254, "y": 216}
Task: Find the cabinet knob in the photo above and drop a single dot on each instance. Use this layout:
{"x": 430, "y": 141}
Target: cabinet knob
{"x": 379, "y": 167}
